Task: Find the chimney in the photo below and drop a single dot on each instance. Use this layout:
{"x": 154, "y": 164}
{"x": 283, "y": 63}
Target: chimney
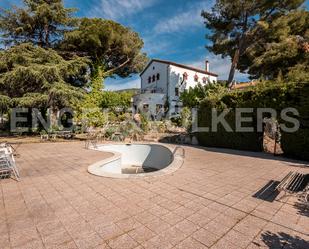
{"x": 207, "y": 66}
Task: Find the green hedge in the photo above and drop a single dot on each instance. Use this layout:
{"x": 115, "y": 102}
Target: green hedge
{"x": 252, "y": 141}
{"x": 297, "y": 144}
{"x": 272, "y": 95}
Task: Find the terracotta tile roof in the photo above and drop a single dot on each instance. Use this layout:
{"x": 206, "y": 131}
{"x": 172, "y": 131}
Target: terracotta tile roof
{"x": 179, "y": 65}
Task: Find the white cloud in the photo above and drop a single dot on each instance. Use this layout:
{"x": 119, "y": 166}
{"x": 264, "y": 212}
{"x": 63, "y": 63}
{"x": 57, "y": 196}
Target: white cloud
{"x": 219, "y": 66}
{"x": 183, "y": 20}
{"x": 117, "y": 9}
{"x": 154, "y": 46}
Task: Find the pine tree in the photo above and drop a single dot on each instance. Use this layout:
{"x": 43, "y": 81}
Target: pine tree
{"x": 36, "y": 77}
{"x": 233, "y": 25}
{"x": 281, "y": 49}
{"x": 41, "y": 22}
{"x": 113, "y": 48}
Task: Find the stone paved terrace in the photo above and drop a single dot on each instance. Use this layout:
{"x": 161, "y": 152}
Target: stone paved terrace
{"x": 208, "y": 203}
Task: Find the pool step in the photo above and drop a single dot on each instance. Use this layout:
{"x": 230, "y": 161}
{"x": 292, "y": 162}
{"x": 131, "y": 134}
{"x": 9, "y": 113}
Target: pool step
{"x": 134, "y": 169}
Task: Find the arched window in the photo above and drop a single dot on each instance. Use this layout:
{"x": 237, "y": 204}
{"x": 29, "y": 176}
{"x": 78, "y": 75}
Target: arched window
{"x": 204, "y": 80}
{"x": 153, "y": 78}
{"x": 149, "y": 79}
{"x": 158, "y": 76}
{"x": 185, "y": 76}
{"x": 177, "y": 109}
{"x": 196, "y": 78}
{"x": 177, "y": 92}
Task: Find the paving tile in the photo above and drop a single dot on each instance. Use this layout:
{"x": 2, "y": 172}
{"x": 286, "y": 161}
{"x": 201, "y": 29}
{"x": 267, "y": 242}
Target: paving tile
{"x": 158, "y": 243}
{"x": 102, "y": 246}
{"x": 224, "y": 244}
{"x": 101, "y": 222}
{"x": 205, "y": 237}
{"x": 184, "y": 212}
{"x": 209, "y": 213}
{"x": 109, "y": 232}
{"x": 173, "y": 235}
{"x": 247, "y": 229}
{"x": 123, "y": 242}
{"x": 145, "y": 217}
{"x": 187, "y": 227}
{"x": 23, "y": 237}
{"x": 158, "y": 225}
{"x": 217, "y": 228}
{"x": 141, "y": 234}
{"x": 34, "y": 244}
{"x": 172, "y": 218}
{"x": 241, "y": 240}
{"x": 217, "y": 207}
{"x": 128, "y": 224}
{"x": 48, "y": 228}
{"x": 215, "y": 198}
{"x": 158, "y": 211}
{"x": 57, "y": 239}
{"x": 5, "y": 243}
{"x": 190, "y": 243}
{"x": 199, "y": 219}
{"x": 66, "y": 245}
{"x": 87, "y": 241}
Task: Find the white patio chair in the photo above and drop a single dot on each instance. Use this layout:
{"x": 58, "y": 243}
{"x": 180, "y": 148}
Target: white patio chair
{"x": 8, "y": 164}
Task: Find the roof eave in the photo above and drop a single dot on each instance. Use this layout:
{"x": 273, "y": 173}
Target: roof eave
{"x": 178, "y": 65}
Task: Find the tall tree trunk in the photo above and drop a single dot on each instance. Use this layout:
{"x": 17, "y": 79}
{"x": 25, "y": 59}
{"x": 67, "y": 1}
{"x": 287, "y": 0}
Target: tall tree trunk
{"x": 47, "y": 36}
{"x": 53, "y": 117}
{"x": 233, "y": 67}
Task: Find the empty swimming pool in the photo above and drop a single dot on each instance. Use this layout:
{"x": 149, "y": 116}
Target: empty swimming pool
{"x": 136, "y": 160}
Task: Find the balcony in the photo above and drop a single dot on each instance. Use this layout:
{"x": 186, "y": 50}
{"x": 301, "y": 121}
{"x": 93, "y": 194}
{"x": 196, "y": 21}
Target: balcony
{"x": 153, "y": 90}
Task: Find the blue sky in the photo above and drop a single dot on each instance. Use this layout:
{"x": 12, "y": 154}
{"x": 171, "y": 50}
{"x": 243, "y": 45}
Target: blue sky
{"x": 171, "y": 30}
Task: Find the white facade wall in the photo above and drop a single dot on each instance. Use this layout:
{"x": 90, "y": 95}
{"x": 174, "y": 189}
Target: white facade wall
{"x": 171, "y": 77}
{"x": 177, "y": 72}
{"x": 154, "y": 69}
{"x": 176, "y": 78}
{"x": 152, "y": 100}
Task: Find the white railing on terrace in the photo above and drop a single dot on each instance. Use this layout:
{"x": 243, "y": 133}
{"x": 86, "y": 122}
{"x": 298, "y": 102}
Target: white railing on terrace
{"x": 155, "y": 90}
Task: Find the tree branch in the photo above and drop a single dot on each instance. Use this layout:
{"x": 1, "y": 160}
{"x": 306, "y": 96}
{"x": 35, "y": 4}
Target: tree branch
{"x": 109, "y": 72}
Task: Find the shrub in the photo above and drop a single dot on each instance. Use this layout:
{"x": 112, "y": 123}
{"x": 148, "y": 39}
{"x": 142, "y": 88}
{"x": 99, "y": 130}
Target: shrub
{"x": 266, "y": 95}
{"x": 186, "y": 118}
{"x": 144, "y": 122}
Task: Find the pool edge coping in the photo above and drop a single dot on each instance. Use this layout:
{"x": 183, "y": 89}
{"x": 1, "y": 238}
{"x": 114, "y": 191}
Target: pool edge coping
{"x": 171, "y": 168}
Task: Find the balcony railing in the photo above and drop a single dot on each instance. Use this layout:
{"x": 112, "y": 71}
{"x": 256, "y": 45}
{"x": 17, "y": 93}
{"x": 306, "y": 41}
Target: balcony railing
{"x": 155, "y": 90}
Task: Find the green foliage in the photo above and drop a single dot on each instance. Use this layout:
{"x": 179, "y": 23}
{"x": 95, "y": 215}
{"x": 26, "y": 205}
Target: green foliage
{"x": 281, "y": 50}
{"x": 40, "y": 22}
{"x": 186, "y": 118}
{"x": 89, "y": 112}
{"x": 30, "y": 100}
{"x": 52, "y": 60}
{"x": 176, "y": 121}
{"x": 37, "y": 77}
{"x": 144, "y": 122}
{"x": 192, "y": 98}
{"x": 117, "y": 49}
{"x": 5, "y": 103}
{"x": 298, "y": 73}
{"x": 277, "y": 96}
{"x": 113, "y": 100}
{"x": 235, "y": 26}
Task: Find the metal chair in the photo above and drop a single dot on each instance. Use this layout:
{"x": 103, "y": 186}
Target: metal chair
{"x": 295, "y": 183}
{"x": 8, "y": 164}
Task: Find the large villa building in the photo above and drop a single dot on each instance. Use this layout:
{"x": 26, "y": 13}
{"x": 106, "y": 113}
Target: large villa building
{"x": 162, "y": 83}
